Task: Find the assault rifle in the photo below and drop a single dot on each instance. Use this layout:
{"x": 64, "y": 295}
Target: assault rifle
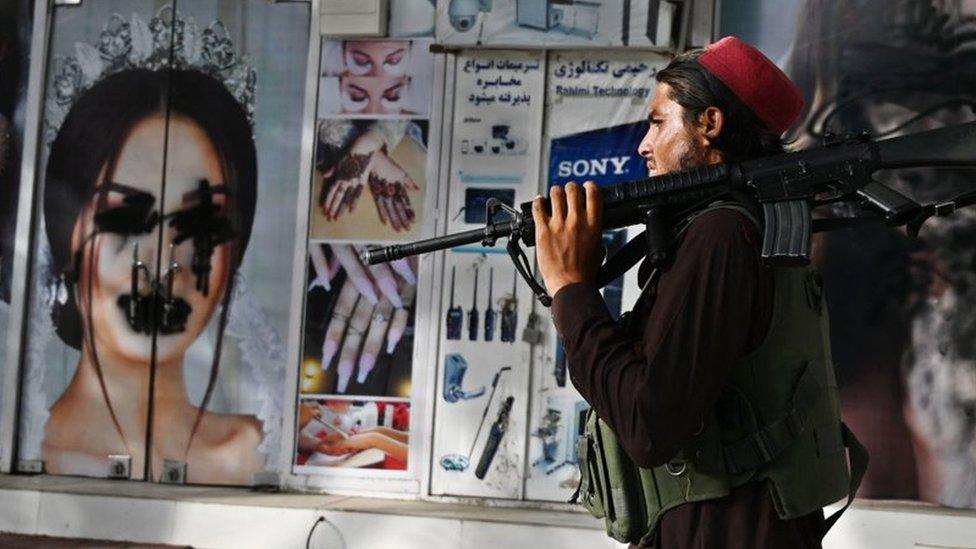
{"x": 788, "y": 187}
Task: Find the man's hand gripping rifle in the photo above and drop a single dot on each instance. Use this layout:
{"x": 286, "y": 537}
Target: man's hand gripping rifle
{"x": 789, "y": 187}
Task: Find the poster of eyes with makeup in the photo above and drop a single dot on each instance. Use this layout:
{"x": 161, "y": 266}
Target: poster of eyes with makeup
{"x": 169, "y": 157}
{"x": 368, "y": 187}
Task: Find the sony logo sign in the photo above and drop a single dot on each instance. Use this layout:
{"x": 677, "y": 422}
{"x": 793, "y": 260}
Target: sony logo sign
{"x": 614, "y": 165}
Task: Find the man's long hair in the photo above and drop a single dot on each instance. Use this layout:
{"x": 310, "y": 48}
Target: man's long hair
{"x": 743, "y": 135}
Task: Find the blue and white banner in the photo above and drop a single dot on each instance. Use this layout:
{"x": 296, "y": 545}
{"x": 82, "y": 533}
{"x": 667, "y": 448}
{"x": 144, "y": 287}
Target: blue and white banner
{"x": 606, "y": 156}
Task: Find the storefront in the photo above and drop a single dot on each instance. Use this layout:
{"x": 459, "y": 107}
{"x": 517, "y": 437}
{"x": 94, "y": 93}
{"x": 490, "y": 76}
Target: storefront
{"x": 189, "y": 185}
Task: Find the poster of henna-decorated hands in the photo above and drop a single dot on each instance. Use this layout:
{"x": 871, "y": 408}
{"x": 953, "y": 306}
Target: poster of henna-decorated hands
{"x": 369, "y": 181}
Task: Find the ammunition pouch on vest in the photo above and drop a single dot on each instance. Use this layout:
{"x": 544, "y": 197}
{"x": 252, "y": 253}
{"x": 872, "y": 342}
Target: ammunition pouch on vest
{"x": 777, "y": 421}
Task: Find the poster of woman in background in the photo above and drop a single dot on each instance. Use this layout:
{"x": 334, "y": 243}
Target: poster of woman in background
{"x": 903, "y": 333}
{"x": 164, "y": 152}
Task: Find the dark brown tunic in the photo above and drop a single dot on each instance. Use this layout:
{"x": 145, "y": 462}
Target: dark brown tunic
{"x": 654, "y": 384}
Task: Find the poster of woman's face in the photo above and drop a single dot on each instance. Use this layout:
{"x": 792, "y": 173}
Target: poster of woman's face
{"x": 358, "y": 434}
{"x": 159, "y": 179}
{"x": 359, "y": 324}
{"x": 375, "y": 78}
{"x": 370, "y": 180}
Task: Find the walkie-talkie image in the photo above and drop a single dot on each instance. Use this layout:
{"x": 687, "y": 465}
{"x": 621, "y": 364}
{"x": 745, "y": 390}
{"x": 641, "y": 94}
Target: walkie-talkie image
{"x": 473, "y": 313}
{"x": 510, "y": 313}
{"x": 494, "y": 439}
{"x": 490, "y": 311}
{"x": 454, "y": 314}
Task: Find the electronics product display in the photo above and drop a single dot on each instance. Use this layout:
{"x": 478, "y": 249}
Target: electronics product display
{"x": 463, "y": 14}
{"x": 498, "y": 430}
{"x": 579, "y": 17}
{"x": 458, "y": 462}
{"x": 490, "y": 311}
{"x": 473, "y": 312}
{"x": 501, "y": 142}
{"x": 559, "y": 439}
{"x": 455, "y": 317}
{"x": 454, "y": 369}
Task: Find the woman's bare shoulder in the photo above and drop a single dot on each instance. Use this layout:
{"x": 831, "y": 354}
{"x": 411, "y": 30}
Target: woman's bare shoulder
{"x": 218, "y": 429}
{"x": 225, "y": 449}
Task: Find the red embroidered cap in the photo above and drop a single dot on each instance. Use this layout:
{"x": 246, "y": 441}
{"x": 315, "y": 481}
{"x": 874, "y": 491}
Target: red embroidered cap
{"x": 755, "y": 80}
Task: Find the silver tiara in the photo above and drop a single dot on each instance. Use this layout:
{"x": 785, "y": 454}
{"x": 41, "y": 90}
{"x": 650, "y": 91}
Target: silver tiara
{"x": 134, "y": 44}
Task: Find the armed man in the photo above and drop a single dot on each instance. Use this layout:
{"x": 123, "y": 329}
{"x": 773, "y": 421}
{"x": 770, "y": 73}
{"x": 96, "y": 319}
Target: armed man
{"x": 718, "y": 386}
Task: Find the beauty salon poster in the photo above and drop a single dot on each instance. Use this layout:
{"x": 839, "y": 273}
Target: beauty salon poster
{"x": 201, "y": 316}
{"x": 368, "y": 189}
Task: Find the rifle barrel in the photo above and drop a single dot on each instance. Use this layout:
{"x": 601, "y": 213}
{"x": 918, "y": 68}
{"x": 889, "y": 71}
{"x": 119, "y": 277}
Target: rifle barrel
{"x": 376, "y": 255}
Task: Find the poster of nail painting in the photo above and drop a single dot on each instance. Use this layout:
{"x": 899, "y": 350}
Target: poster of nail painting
{"x": 359, "y": 324}
{"x": 339, "y": 433}
{"x": 178, "y": 282}
{"x": 370, "y": 180}
{"x": 375, "y": 78}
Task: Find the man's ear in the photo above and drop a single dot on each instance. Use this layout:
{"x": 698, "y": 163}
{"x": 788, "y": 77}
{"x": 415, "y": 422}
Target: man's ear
{"x": 710, "y": 122}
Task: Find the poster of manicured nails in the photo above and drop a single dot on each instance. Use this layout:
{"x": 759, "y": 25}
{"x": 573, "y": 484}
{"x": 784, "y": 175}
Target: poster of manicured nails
{"x": 359, "y": 324}
{"x": 344, "y": 433}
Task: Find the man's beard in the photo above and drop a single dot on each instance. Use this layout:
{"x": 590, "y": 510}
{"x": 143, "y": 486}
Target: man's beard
{"x": 689, "y": 156}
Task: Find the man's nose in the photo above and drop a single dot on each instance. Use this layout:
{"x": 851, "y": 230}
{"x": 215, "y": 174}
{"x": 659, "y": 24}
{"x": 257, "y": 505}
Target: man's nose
{"x": 644, "y": 148}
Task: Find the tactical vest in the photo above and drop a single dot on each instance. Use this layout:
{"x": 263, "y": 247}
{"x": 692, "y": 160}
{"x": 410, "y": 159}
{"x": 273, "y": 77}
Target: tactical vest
{"x": 777, "y": 421}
